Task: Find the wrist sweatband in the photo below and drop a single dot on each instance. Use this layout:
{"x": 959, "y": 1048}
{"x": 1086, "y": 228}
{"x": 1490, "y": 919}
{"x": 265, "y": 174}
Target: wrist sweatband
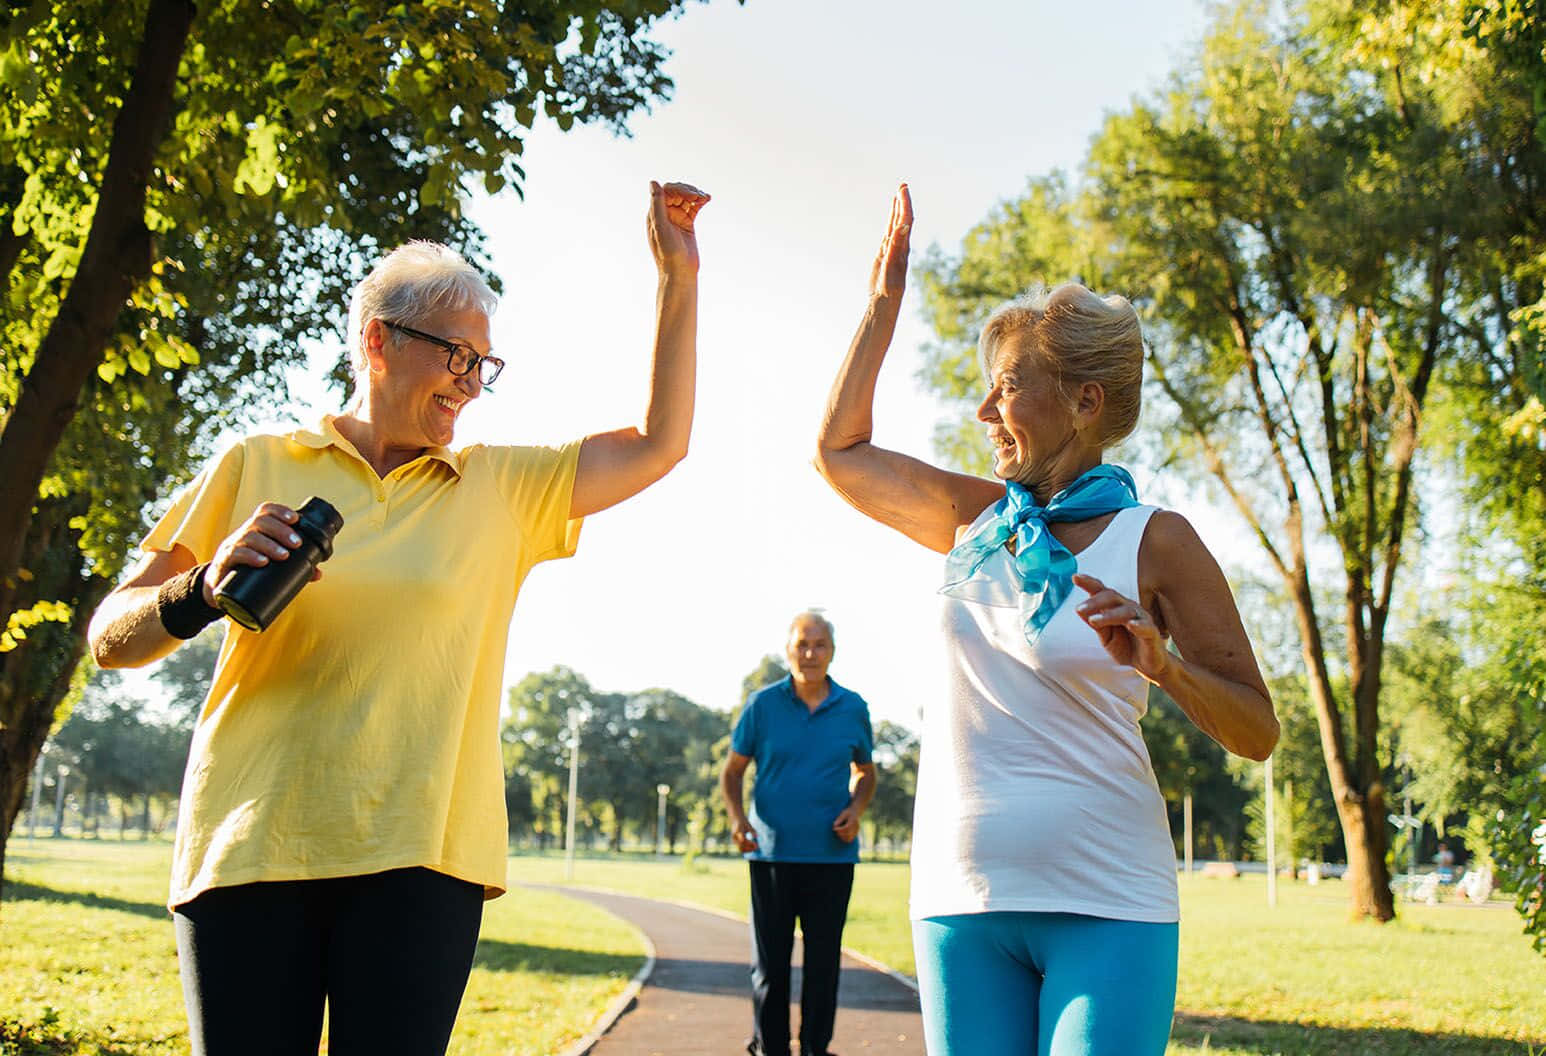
{"x": 180, "y": 604}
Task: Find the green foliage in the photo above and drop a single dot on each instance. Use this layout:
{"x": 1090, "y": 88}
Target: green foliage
{"x": 1186, "y": 762}
{"x": 890, "y": 814}
{"x": 630, "y": 743}
{"x": 303, "y": 138}
{"x": 769, "y": 669}
{"x": 1328, "y": 222}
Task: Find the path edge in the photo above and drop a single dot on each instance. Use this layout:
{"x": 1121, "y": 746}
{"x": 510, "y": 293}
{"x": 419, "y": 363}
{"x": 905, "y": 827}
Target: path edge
{"x": 623, "y": 1001}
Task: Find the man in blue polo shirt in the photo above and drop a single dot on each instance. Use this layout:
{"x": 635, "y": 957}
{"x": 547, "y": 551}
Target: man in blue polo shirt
{"x": 811, "y": 741}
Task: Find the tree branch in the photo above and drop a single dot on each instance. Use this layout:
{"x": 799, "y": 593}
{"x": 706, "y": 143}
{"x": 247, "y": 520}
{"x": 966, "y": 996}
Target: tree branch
{"x": 116, "y": 257}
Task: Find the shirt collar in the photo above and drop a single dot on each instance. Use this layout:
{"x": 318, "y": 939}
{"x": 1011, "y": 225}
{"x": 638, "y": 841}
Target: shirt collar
{"x": 835, "y": 692}
{"x": 325, "y": 434}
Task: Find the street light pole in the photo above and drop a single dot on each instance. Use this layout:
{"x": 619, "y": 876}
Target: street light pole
{"x": 1186, "y": 816}
{"x": 662, "y": 790}
{"x": 60, "y": 775}
{"x": 1272, "y": 842}
{"x": 574, "y": 788}
{"x": 32, "y": 813}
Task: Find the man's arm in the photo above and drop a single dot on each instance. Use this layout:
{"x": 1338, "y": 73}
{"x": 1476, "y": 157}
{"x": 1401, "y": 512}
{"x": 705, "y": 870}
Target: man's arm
{"x": 731, "y": 782}
{"x": 862, "y": 790}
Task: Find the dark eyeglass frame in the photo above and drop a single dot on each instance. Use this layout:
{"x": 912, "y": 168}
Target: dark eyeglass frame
{"x": 475, "y": 360}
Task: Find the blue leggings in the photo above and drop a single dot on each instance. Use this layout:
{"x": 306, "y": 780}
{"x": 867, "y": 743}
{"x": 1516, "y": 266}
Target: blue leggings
{"x": 1045, "y": 984}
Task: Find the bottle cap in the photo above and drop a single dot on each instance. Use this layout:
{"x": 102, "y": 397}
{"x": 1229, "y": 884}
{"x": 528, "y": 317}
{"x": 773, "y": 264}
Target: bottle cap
{"x": 319, "y": 520}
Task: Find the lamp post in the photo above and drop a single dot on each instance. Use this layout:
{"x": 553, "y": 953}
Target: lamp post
{"x": 1272, "y": 842}
{"x": 662, "y": 790}
{"x": 574, "y": 787}
{"x": 62, "y": 773}
{"x": 37, "y": 787}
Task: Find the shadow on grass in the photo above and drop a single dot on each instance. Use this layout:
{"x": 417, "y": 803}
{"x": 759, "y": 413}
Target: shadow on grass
{"x": 499, "y": 956}
{"x": 46, "y": 1039}
{"x": 18, "y": 891}
{"x": 1272, "y": 1038}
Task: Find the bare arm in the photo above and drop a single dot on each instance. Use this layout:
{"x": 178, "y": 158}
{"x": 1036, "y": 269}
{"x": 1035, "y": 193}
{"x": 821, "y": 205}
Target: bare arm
{"x": 846, "y": 824}
{"x": 126, "y": 630}
{"x": 618, "y": 465}
{"x": 923, "y": 502}
{"x": 731, "y": 781}
{"x": 1215, "y": 679}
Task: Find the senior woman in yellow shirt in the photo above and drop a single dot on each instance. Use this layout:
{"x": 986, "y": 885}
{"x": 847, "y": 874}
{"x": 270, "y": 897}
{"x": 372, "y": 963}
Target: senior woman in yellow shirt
{"x": 343, "y": 809}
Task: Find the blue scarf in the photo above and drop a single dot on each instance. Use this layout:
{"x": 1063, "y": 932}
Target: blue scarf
{"x": 1044, "y": 566}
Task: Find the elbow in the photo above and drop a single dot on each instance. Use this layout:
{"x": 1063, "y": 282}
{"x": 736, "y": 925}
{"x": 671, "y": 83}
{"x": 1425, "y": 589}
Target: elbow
{"x": 98, "y": 642}
{"x": 821, "y": 465}
{"x": 1264, "y": 740}
{"x": 666, "y": 453}
{"x": 828, "y": 461}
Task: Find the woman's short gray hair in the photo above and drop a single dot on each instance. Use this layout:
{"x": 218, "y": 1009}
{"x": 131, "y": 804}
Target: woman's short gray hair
{"x": 411, "y": 283}
{"x": 1079, "y": 337}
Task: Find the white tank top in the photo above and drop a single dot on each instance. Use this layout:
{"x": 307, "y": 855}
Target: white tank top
{"x": 1035, "y": 790}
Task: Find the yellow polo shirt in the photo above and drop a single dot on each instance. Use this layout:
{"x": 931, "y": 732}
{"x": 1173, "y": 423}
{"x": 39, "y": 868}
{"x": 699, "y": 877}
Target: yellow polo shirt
{"x": 360, "y": 731}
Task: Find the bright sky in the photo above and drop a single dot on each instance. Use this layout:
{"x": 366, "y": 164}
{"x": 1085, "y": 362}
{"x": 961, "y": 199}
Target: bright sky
{"x": 799, "y": 117}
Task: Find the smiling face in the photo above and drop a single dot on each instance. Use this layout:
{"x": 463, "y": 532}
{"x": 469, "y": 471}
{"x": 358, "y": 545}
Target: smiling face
{"x": 809, "y": 651}
{"x": 415, "y": 399}
{"x": 1030, "y": 425}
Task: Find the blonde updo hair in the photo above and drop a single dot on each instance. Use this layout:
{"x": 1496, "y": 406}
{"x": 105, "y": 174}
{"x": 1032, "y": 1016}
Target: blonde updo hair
{"x": 408, "y": 285}
{"x": 1078, "y": 337}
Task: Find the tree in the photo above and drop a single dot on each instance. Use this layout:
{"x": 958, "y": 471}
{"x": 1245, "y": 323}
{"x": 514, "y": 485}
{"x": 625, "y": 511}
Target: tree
{"x": 630, "y": 744}
{"x": 1187, "y": 762}
{"x": 1306, "y": 227}
{"x": 896, "y": 786}
{"x": 536, "y": 742}
{"x": 258, "y": 156}
{"x": 769, "y": 669}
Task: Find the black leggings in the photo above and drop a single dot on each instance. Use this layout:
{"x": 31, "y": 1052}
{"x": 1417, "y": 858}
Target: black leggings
{"x": 389, "y": 954}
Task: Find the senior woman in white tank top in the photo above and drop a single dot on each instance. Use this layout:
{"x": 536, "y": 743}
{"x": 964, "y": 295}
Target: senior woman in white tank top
{"x": 1044, "y": 899}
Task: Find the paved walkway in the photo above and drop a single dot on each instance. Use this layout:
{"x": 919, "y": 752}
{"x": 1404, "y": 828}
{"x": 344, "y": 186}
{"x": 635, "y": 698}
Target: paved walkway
{"x": 698, "y": 998}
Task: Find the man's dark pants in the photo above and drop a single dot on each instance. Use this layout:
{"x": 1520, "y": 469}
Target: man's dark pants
{"x": 815, "y": 893}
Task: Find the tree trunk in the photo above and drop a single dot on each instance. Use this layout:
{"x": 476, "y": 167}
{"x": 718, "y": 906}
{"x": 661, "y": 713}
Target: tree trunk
{"x": 35, "y": 677}
{"x": 1360, "y": 806}
{"x": 116, "y": 258}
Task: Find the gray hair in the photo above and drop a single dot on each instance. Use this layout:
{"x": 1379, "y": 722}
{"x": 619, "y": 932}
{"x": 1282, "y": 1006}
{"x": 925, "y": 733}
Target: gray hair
{"x": 411, "y": 283}
{"x": 1079, "y": 337}
{"x": 813, "y": 616}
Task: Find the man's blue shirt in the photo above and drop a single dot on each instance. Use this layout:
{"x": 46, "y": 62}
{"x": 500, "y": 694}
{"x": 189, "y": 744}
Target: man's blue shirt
{"x": 803, "y": 771}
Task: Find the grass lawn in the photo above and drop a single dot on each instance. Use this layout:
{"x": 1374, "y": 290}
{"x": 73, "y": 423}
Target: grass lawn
{"x": 88, "y": 963}
{"x": 1297, "y": 981}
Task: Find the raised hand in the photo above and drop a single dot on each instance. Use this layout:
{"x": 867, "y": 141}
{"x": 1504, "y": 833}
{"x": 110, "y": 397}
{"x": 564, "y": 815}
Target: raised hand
{"x": 888, "y": 275}
{"x": 265, "y": 536}
{"x": 673, "y": 208}
{"x": 1128, "y": 632}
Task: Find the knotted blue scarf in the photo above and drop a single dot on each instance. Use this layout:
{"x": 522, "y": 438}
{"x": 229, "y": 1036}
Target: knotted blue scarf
{"x": 1044, "y": 566}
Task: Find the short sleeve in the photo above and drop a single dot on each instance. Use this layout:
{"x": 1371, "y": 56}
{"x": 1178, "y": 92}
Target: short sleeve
{"x": 864, "y": 751}
{"x": 201, "y": 515}
{"x": 743, "y": 740}
{"x": 537, "y": 484}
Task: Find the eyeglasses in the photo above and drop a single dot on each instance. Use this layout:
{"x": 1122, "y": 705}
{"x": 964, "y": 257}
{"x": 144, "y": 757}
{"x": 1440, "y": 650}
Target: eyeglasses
{"x": 460, "y": 359}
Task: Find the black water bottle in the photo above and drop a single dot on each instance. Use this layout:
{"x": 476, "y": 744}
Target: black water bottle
{"x": 254, "y": 595}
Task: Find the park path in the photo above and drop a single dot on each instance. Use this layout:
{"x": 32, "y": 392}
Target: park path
{"x": 698, "y": 998}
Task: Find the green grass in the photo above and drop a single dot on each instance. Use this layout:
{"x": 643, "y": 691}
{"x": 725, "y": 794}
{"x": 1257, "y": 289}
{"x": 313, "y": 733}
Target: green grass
{"x": 1295, "y": 980}
{"x": 88, "y": 963}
